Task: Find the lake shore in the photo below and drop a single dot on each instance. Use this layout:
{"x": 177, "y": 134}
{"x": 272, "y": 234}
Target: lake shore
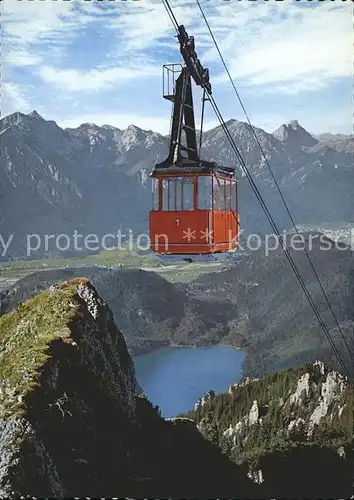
{"x": 142, "y": 351}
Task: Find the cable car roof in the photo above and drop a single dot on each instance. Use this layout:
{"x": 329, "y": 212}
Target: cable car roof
{"x": 185, "y": 167}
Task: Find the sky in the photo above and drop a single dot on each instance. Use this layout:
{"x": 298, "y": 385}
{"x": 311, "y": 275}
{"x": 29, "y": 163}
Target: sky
{"x": 79, "y": 61}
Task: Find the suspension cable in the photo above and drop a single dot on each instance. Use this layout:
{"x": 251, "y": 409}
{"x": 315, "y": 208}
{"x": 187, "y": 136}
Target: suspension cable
{"x": 286, "y": 251}
{"x": 276, "y": 182}
{"x": 170, "y": 14}
{"x": 265, "y": 209}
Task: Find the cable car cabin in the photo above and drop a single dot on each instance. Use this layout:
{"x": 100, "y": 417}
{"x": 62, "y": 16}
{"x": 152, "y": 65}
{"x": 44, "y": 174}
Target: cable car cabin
{"x": 193, "y": 213}
{"x": 194, "y": 208}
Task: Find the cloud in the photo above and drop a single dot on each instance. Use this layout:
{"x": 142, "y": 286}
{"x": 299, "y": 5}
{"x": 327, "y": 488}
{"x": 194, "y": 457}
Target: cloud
{"x": 303, "y": 51}
{"x": 263, "y": 44}
{"x": 29, "y": 22}
{"x": 78, "y": 54}
{"x": 288, "y": 46}
{"x": 13, "y": 98}
{"x": 71, "y": 80}
{"x": 20, "y": 57}
{"x": 37, "y": 30}
{"x": 143, "y": 25}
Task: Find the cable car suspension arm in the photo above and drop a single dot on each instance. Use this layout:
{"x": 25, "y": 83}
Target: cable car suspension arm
{"x": 183, "y": 119}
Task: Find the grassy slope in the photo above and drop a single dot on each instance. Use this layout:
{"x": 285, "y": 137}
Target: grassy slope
{"x": 25, "y": 336}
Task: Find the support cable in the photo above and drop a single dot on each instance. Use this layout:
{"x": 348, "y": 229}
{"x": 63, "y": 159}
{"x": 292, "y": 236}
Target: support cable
{"x": 265, "y": 209}
{"x": 276, "y": 183}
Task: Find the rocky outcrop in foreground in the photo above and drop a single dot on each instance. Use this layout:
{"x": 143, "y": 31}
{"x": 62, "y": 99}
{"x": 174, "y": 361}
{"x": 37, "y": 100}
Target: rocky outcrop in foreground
{"x": 151, "y": 312}
{"x": 71, "y": 423}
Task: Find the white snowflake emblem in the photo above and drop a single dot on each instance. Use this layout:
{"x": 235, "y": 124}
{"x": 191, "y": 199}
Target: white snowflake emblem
{"x": 189, "y": 234}
{"x": 207, "y": 234}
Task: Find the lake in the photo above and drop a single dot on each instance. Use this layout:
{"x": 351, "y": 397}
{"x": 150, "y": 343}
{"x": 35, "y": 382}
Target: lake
{"x": 174, "y": 378}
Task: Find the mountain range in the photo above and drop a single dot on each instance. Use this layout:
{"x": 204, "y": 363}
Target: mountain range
{"x": 96, "y": 179}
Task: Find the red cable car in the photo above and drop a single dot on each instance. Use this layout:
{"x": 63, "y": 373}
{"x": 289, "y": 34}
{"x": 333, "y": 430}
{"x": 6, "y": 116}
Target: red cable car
{"x": 194, "y": 210}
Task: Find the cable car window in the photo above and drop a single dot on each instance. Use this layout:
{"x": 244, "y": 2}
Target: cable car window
{"x": 164, "y": 194}
{"x": 179, "y": 193}
{"x": 227, "y": 195}
{"x": 216, "y": 194}
{"x": 205, "y": 192}
{"x": 188, "y": 193}
{"x": 234, "y": 196}
{"x": 172, "y": 194}
{"x": 222, "y": 195}
{"x": 219, "y": 194}
{"x": 155, "y": 194}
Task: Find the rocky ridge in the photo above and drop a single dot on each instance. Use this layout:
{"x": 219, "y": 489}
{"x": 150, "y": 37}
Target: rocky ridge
{"x": 301, "y": 411}
{"x": 71, "y": 423}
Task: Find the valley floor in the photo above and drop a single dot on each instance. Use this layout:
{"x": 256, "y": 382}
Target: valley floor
{"x": 183, "y": 273}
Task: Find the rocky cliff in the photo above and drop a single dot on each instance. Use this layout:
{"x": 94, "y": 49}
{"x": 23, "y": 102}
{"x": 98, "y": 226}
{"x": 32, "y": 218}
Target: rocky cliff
{"x": 285, "y": 426}
{"x": 65, "y": 373}
{"x": 71, "y": 423}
